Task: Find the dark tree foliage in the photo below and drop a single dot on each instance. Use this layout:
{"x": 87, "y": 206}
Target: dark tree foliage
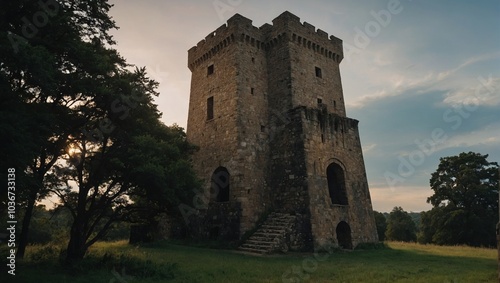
{"x": 79, "y": 122}
{"x": 465, "y": 202}
{"x": 400, "y": 226}
{"x": 381, "y": 224}
{"x": 52, "y": 59}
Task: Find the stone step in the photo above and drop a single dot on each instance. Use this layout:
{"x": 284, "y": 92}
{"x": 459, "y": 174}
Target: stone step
{"x": 262, "y": 238}
{"x": 260, "y": 243}
{"x": 281, "y": 216}
{"x": 267, "y": 224}
{"x": 268, "y": 235}
{"x": 258, "y": 247}
{"x": 272, "y": 231}
{"x": 278, "y": 222}
{"x": 275, "y": 227}
{"x": 261, "y": 233}
{"x": 251, "y": 250}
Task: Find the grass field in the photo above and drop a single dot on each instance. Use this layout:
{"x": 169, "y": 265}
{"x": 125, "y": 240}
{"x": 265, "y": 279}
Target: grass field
{"x": 165, "y": 262}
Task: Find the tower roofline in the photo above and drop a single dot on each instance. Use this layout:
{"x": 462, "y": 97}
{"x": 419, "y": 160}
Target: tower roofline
{"x": 285, "y": 24}
{"x": 284, "y": 18}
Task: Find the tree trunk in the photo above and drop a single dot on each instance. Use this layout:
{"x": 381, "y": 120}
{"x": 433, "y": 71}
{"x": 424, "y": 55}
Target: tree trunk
{"x": 23, "y": 237}
{"x": 76, "y": 246}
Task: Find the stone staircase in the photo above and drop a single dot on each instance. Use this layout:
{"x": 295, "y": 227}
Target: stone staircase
{"x": 272, "y": 236}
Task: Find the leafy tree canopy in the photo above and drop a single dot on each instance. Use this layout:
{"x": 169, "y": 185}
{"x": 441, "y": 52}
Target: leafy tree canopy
{"x": 80, "y": 122}
{"x": 381, "y": 223}
{"x": 400, "y": 226}
{"x": 465, "y": 202}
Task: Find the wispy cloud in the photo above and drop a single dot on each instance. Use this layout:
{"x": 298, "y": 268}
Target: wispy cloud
{"x": 489, "y": 135}
{"x": 393, "y": 83}
{"x": 482, "y": 93}
{"x": 369, "y": 148}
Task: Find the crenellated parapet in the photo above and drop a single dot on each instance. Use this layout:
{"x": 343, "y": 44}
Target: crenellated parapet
{"x": 306, "y": 35}
{"x": 211, "y": 45}
{"x": 330, "y": 122}
{"x": 286, "y": 27}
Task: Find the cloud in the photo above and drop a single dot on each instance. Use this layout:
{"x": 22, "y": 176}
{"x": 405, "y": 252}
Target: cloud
{"x": 391, "y": 81}
{"x": 489, "y": 135}
{"x": 369, "y": 148}
{"x": 485, "y": 92}
{"x": 476, "y": 59}
{"x": 396, "y": 128}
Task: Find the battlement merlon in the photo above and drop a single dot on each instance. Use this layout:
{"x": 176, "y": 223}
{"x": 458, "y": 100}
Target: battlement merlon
{"x": 284, "y": 23}
{"x": 220, "y": 38}
{"x": 306, "y": 30}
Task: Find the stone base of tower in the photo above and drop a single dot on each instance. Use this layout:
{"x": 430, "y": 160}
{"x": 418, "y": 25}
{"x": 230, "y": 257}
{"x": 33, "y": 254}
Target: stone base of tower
{"x": 218, "y": 222}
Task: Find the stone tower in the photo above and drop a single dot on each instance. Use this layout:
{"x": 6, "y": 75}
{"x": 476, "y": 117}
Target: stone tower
{"x": 267, "y": 112}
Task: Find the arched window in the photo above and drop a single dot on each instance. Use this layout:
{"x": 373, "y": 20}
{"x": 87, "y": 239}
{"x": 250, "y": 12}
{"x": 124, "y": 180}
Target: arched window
{"x": 336, "y": 184}
{"x": 220, "y": 185}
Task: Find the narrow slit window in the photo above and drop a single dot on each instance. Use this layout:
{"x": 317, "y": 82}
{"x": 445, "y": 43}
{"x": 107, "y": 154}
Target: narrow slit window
{"x": 318, "y": 72}
{"x": 210, "y": 108}
{"x": 210, "y": 70}
{"x": 252, "y": 90}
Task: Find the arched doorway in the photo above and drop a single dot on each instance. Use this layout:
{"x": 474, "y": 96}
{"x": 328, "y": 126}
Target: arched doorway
{"x": 220, "y": 185}
{"x": 344, "y": 235}
{"x": 336, "y": 184}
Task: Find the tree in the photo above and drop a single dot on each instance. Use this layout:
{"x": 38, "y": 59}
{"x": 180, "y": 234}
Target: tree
{"x": 400, "y": 226}
{"x": 465, "y": 202}
{"x": 136, "y": 165}
{"x": 381, "y": 224}
{"x": 84, "y": 125}
{"x": 52, "y": 61}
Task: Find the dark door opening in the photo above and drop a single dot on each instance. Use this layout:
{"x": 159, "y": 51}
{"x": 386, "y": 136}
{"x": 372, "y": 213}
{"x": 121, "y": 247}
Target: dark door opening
{"x": 220, "y": 185}
{"x": 214, "y": 233}
{"x": 344, "y": 235}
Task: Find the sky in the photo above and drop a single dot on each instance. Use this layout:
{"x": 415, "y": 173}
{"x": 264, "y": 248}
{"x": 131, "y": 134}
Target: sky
{"x": 422, "y": 77}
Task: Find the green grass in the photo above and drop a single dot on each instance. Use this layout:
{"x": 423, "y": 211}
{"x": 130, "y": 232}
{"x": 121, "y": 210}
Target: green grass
{"x": 399, "y": 262}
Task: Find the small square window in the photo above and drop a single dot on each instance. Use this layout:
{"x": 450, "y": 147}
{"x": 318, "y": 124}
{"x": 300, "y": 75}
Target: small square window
{"x": 320, "y": 101}
{"x": 318, "y": 72}
{"x": 210, "y": 70}
{"x": 262, "y": 128}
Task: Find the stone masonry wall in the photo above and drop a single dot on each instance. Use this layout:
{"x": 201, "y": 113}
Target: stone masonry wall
{"x": 236, "y": 137}
{"x": 338, "y": 142}
{"x": 279, "y": 121}
{"x": 216, "y": 137}
{"x": 252, "y": 119}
